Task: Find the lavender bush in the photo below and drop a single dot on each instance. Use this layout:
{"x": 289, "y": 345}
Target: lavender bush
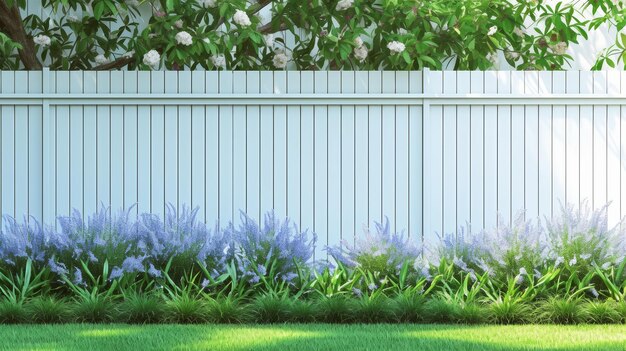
{"x": 272, "y": 251}
{"x": 378, "y": 251}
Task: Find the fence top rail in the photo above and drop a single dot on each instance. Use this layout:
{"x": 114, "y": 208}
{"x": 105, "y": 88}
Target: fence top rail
{"x": 309, "y": 99}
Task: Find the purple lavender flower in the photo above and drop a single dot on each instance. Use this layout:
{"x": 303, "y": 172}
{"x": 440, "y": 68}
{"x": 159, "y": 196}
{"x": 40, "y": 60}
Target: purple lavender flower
{"x": 372, "y": 286}
{"x": 357, "y": 292}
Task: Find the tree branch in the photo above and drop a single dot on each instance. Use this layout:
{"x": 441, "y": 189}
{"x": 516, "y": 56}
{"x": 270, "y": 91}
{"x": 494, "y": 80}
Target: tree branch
{"x": 116, "y": 64}
{"x": 11, "y": 23}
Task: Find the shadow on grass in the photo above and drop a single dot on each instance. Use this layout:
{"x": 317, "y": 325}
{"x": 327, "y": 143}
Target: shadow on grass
{"x": 311, "y": 337}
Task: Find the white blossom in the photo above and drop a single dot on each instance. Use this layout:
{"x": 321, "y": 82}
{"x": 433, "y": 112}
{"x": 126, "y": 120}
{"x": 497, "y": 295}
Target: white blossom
{"x": 519, "y": 31}
{"x": 178, "y": 24}
{"x": 184, "y": 38}
{"x": 402, "y": 31}
{"x": 219, "y": 61}
{"x": 358, "y": 42}
{"x": 101, "y": 59}
{"x": 573, "y": 261}
{"x": 208, "y": 3}
{"x": 42, "y": 40}
{"x": 360, "y": 53}
{"x": 492, "y": 30}
{"x": 559, "y": 48}
{"x": 396, "y": 47}
{"x": 280, "y": 60}
{"x": 558, "y": 261}
{"x": 269, "y": 40}
{"x": 241, "y": 18}
{"x": 152, "y": 58}
{"x": 344, "y": 5}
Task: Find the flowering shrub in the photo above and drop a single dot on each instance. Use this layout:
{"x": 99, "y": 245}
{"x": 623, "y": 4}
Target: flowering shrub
{"x": 175, "y": 269}
{"x": 378, "y": 251}
{"x": 319, "y": 34}
{"x": 273, "y": 251}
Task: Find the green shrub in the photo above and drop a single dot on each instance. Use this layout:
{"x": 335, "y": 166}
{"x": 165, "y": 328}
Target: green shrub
{"x": 375, "y": 308}
{"x": 302, "y": 311}
{"x": 440, "y": 310}
{"x": 227, "y": 310}
{"x": 142, "y": 308}
{"x": 601, "y": 312}
{"x": 12, "y": 312}
{"x": 94, "y": 309}
{"x": 270, "y": 308}
{"x": 48, "y": 310}
{"x": 509, "y": 312}
{"x": 408, "y": 308}
{"x": 561, "y": 311}
{"x": 185, "y": 309}
{"x": 334, "y": 309}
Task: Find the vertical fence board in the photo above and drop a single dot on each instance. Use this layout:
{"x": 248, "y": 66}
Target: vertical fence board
{"x": 477, "y": 155}
{"x": 185, "y": 151}
{"x": 8, "y": 147}
{"x": 62, "y": 150}
{"x": 21, "y": 145}
{"x": 347, "y": 170}
{"x": 253, "y": 156}
{"x": 293, "y": 142}
{"x": 90, "y": 153}
{"x": 401, "y": 151}
{"x": 449, "y": 151}
{"x": 35, "y": 150}
{"x": 240, "y": 141}
{"x": 267, "y": 145}
{"x": 545, "y": 148}
{"x": 144, "y": 146}
{"x": 463, "y": 148}
{"x": 212, "y": 149}
{"x": 490, "y": 154}
{"x": 333, "y": 159}
{"x": 320, "y": 167}
{"x": 117, "y": 145}
{"x": 572, "y": 144}
{"x": 131, "y": 146}
{"x": 361, "y": 161}
{"x": 504, "y": 160}
{"x": 307, "y": 179}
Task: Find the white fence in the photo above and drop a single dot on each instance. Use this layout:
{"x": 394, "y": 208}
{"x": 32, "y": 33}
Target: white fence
{"x": 331, "y": 150}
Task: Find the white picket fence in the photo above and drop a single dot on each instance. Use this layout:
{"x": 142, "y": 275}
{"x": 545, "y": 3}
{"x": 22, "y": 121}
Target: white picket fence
{"x": 334, "y": 151}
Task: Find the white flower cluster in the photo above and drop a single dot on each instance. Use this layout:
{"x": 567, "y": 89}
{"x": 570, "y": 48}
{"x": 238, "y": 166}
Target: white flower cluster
{"x": 219, "y": 61}
{"x": 208, "y": 3}
{"x": 269, "y": 40}
{"x": 184, "y": 38}
{"x": 241, "y": 18}
{"x": 179, "y": 24}
{"x": 152, "y": 59}
{"x": 101, "y": 59}
{"x": 42, "y": 40}
{"x": 280, "y": 59}
{"x": 360, "y": 52}
{"x": 344, "y": 5}
{"x": 396, "y": 47}
{"x": 492, "y": 30}
{"x": 559, "y": 48}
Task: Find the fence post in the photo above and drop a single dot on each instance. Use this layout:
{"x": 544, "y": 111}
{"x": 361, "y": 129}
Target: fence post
{"x": 48, "y": 130}
{"x": 425, "y": 114}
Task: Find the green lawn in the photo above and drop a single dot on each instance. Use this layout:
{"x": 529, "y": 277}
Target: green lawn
{"x": 302, "y": 337}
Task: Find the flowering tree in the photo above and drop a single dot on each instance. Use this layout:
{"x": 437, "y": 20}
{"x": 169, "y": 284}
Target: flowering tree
{"x": 301, "y": 34}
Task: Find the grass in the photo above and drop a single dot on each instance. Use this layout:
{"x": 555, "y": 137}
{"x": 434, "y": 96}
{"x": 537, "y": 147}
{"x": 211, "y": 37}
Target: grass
{"x": 304, "y": 337}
